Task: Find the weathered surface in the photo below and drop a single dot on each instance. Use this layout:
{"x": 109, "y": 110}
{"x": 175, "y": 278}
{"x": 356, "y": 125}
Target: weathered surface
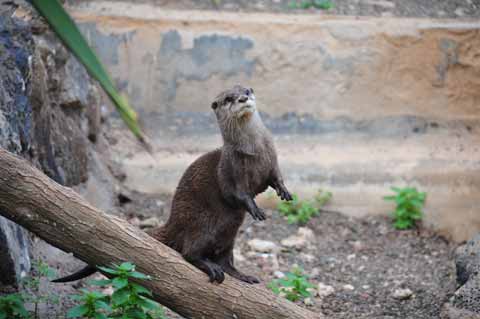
{"x": 61, "y": 217}
{"x": 15, "y": 130}
{"x": 356, "y": 105}
{"x": 466, "y": 300}
{"x": 49, "y": 113}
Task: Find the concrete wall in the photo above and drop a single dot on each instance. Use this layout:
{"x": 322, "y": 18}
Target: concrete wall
{"x": 357, "y": 104}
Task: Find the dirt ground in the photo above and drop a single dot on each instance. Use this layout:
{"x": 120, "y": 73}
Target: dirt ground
{"x": 396, "y": 8}
{"x": 365, "y": 261}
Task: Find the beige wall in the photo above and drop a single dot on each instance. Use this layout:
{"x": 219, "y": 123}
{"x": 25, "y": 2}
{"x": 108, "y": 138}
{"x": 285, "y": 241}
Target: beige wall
{"x": 384, "y": 101}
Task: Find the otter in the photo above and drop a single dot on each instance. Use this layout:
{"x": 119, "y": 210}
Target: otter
{"x": 217, "y": 189}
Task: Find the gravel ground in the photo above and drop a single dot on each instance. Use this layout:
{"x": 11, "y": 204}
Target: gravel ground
{"x": 365, "y": 261}
{"x": 397, "y": 8}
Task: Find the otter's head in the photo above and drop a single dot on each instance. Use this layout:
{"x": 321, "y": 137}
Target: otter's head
{"x": 237, "y": 103}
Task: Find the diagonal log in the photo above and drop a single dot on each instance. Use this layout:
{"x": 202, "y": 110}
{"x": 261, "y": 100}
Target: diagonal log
{"x": 61, "y": 217}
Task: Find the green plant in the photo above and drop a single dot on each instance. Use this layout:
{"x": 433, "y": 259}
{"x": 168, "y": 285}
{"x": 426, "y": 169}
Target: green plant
{"x": 93, "y": 304}
{"x": 294, "y": 286}
{"x": 307, "y": 4}
{"x": 129, "y": 300}
{"x": 300, "y": 212}
{"x": 12, "y": 306}
{"x": 67, "y": 30}
{"x": 409, "y": 204}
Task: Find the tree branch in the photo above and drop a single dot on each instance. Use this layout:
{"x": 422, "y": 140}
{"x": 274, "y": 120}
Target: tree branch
{"x": 61, "y": 217}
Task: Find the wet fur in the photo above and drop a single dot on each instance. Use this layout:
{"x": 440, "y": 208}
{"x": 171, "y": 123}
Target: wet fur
{"x": 217, "y": 189}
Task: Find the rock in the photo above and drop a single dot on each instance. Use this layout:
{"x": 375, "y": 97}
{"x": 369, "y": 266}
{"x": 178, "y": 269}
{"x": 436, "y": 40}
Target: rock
{"x": 308, "y": 301}
{"x": 348, "y": 287}
{"x": 460, "y": 12}
{"x": 262, "y": 246}
{"x": 149, "y": 222}
{"x": 278, "y": 274}
{"x": 324, "y": 290}
{"x": 467, "y": 260}
{"x": 301, "y": 240}
{"x": 402, "y": 294}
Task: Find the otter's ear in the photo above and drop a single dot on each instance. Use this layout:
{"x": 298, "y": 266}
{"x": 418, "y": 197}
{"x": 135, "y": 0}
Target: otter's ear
{"x": 251, "y": 91}
{"x": 214, "y": 105}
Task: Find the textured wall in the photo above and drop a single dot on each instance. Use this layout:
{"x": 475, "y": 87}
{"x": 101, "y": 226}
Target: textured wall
{"x": 356, "y": 104}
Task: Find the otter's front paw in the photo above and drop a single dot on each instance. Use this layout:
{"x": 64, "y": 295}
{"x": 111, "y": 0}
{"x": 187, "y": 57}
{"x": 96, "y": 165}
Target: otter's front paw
{"x": 258, "y": 214}
{"x": 283, "y": 193}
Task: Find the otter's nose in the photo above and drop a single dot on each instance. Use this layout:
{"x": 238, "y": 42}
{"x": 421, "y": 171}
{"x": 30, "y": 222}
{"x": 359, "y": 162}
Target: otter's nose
{"x": 243, "y": 99}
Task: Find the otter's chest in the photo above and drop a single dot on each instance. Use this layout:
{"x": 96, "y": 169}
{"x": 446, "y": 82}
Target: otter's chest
{"x": 256, "y": 171}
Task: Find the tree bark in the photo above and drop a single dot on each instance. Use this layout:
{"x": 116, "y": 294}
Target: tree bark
{"x": 61, "y": 217}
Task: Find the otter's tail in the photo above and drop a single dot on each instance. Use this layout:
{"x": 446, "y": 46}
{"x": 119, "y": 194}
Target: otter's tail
{"x": 82, "y": 273}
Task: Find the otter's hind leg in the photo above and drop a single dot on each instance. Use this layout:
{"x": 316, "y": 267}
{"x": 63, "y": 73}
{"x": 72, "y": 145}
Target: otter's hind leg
{"x": 226, "y": 262}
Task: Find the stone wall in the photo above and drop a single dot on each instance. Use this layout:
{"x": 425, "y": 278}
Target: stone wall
{"x": 49, "y": 114}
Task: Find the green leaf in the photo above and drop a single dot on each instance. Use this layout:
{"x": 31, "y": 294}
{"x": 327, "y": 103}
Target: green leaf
{"x": 119, "y": 297}
{"x": 126, "y": 266}
{"x": 138, "y": 289}
{"x": 108, "y": 270}
{"x": 66, "y": 29}
{"x": 99, "y": 304}
{"x": 148, "y": 304}
{"x": 77, "y": 311}
{"x": 99, "y": 315}
{"x": 3, "y": 315}
{"x": 139, "y": 275}
{"x": 119, "y": 282}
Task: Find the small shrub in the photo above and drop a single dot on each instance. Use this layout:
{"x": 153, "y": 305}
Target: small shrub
{"x": 93, "y": 304}
{"x": 307, "y": 4}
{"x": 129, "y": 300}
{"x": 300, "y": 212}
{"x": 409, "y": 204}
{"x": 294, "y": 286}
{"x": 12, "y": 306}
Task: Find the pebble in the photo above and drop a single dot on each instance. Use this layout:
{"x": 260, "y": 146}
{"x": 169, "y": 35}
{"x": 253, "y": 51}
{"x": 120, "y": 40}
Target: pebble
{"x": 302, "y": 239}
{"x": 308, "y": 301}
{"x": 348, "y": 287}
{"x": 278, "y": 274}
{"x": 325, "y": 290}
{"x": 460, "y": 12}
{"x": 402, "y": 294}
{"x": 262, "y": 246}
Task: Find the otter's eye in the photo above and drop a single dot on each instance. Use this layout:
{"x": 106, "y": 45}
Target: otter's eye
{"x": 228, "y": 99}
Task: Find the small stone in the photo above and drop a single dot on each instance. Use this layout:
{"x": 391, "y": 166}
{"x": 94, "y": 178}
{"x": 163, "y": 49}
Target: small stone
{"x": 460, "y": 12}
{"x": 348, "y": 287}
{"x": 307, "y": 257}
{"x": 278, "y": 274}
{"x": 149, "y": 222}
{"x": 350, "y": 257}
{"x": 325, "y": 290}
{"x": 402, "y": 294}
{"x": 299, "y": 241}
{"x": 263, "y": 246}
{"x": 308, "y": 301}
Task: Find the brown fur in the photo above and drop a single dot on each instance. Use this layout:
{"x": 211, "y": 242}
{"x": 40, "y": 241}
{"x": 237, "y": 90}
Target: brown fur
{"x": 217, "y": 189}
